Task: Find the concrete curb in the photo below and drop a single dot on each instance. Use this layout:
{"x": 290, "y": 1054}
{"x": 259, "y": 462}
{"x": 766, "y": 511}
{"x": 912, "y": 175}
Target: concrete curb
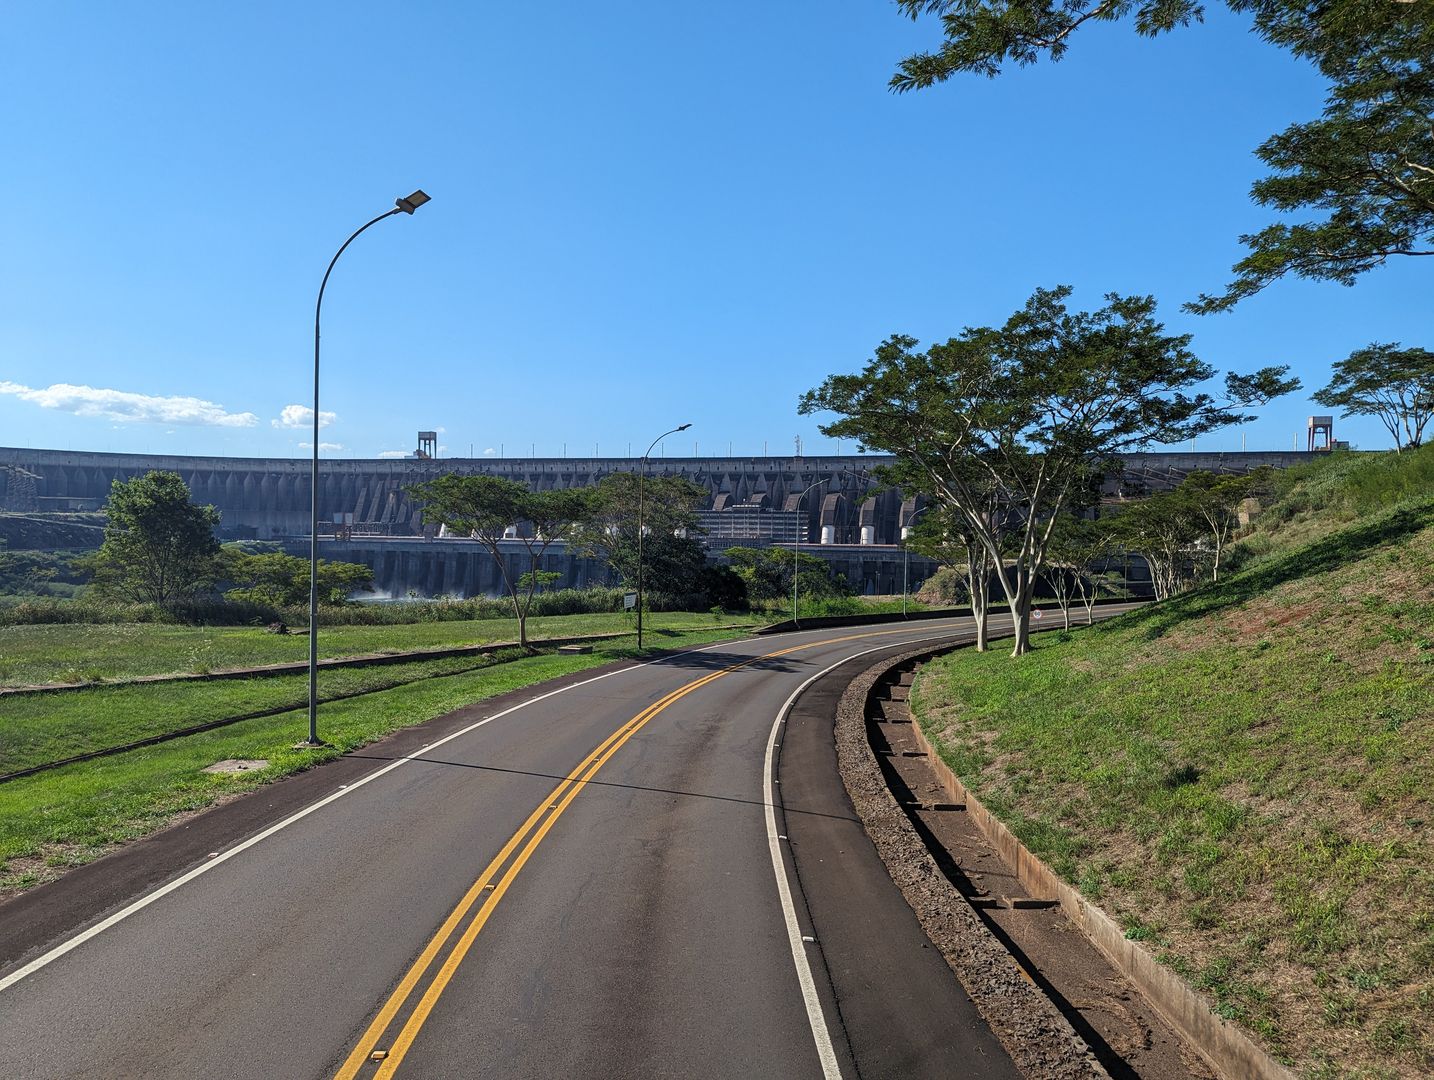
{"x": 1229, "y": 1051}
{"x": 1039, "y": 1039}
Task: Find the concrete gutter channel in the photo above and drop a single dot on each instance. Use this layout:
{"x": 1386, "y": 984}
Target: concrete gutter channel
{"x": 933, "y": 835}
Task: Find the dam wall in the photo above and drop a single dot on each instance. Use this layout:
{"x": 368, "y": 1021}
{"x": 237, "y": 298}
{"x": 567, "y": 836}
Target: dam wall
{"x": 268, "y": 498}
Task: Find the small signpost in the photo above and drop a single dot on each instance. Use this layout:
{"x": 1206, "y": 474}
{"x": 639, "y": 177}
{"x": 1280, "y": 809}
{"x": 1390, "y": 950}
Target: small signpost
{"x": 1036, "y": 613}
{"x": 629, "y": 601}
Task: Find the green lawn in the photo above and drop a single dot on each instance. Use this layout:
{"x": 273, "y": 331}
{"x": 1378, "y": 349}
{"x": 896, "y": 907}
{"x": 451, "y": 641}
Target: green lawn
{"x": 1241, "y": 775}
{"x": 41, "y": 728}
{"x": 85, "y": 653}
{"x": 73, "y": 814}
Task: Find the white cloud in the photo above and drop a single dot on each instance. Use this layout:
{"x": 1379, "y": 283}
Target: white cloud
{"x": 322, "y": 446}
{"x": 127, "y": 407}
{"x": 490, "y": 452}
{"x": 393, "y": 453}
{"x": 301, "y": 416}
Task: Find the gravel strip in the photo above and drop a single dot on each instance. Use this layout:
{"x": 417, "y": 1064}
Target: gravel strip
{"x": 1040, "y": 1041}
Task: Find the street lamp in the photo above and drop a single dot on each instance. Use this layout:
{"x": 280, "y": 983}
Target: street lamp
{"x": 906, "y": 555}
{"x": 641, "y": 482}
{"x": 400, "y": 206}
{"x": 796, "y": 545}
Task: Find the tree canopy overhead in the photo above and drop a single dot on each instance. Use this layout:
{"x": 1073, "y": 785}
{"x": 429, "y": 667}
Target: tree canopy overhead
{"x": 1363, "y": 171}
{"x": 1393, "y": 384}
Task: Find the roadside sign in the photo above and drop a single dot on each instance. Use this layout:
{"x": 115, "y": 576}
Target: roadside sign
{"x": 629, "y": 601}
{"x": 1036, "y": 613}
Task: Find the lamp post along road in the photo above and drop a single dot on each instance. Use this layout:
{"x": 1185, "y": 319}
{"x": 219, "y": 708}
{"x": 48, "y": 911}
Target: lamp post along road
{"x": 797, "y": 543}
{"x": 906, "y": 555}
{"x": 641, "y": 482}
{"x": 400, "y": 206}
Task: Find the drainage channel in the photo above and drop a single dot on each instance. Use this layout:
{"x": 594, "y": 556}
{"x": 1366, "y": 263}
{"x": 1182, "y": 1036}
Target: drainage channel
{"x": 1122, "y": 1029}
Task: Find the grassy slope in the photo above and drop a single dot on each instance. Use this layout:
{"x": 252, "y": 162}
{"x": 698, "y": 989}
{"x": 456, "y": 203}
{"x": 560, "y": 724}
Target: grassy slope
{"x": 83, "y": 653}
{"x": 1241, "y": 775}
{"x": 76, "y": 813}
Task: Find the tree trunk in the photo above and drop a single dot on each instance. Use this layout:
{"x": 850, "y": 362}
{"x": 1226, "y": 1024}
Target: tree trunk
{"x": 1020, "y": 605}
{"x": 978, "y": 584}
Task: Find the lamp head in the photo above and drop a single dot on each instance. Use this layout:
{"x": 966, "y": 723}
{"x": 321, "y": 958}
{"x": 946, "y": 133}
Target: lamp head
{"x": 413, "y": 202}
{"x": 684, "y": 427}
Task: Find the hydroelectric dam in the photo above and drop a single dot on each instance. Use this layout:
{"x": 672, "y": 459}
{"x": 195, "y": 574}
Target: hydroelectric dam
{"x": 365, "y": 514}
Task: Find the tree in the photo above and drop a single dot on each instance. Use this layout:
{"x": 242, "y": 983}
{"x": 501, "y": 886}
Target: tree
{"x": 1396, "y": 385}
{"x": 1075, "y": 546}
{"x": 1008, "y": 426}
{"x": 1165, "y": 530}
{"x": 1366, "y": 168}
{"x": 159, "y": 548}
{"x": 942, "y": 534}
{"x": 673, "y": 558}
{"x": 1215, "y": 501}
{"x": 486, "y": 507}
{"x": 281, "y": 580}
{"x": 768, "y": 574}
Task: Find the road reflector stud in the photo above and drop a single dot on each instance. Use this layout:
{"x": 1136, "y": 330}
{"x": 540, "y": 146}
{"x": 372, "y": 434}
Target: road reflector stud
{"x": 378, "y": 1055}
{"x": 489, "y": 885}
{"x": 808, "y": 937}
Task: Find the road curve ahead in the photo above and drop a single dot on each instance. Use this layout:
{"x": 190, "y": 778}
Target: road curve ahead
{"x": 592, "y": 881}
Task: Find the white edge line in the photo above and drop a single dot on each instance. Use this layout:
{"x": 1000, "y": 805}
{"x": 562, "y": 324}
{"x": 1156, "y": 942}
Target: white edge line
{"x": 816, "y": 1018}
{"x": 164, "y": 890}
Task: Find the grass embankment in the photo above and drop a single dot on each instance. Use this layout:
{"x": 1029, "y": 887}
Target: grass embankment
{"x": 70, "y": 652}
{"x": 42, "y": 728}
{"x": 72, "y": 815}
{"x": 1242, "y": 775}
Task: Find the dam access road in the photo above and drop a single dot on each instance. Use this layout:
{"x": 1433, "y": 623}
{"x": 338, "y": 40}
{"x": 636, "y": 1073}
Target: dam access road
{"x": 647, "y": 870}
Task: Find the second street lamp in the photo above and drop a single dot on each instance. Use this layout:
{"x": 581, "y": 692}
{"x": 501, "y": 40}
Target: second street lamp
{"x": 796, "y": 546}
{"x": 906, "y": 554}
{"x": 641, "y": 482}
{"x": 400, "y": 206}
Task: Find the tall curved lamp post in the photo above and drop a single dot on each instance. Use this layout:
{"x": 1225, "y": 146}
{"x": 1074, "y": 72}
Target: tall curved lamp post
{"x": 796, "y": 545}
{"x": 906, "y": 556}
{"x": 400, "y": 206}
{"x": 641, "y": 483}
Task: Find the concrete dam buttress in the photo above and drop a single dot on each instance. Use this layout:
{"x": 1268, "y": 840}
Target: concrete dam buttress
{"x": 849, "y": 520}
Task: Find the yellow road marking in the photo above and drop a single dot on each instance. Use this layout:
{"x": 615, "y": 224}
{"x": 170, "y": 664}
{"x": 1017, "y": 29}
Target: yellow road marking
{"x": 554, "y": 806}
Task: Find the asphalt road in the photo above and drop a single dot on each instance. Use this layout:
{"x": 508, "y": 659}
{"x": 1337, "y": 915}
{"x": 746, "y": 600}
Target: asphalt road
{"x": 595, "y": 880}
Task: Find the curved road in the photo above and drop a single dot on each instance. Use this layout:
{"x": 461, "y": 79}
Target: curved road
{"x": 593, "y": 877}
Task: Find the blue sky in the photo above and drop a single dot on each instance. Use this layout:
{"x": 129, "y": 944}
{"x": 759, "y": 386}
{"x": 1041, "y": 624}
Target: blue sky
{"x": 643, "y": 214}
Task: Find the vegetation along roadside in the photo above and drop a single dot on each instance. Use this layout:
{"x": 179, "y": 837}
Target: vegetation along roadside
{"x": 1240, "y": 774}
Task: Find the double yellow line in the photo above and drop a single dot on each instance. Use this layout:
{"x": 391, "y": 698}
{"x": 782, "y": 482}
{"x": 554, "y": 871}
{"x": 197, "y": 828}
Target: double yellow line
{"x": 533, "y": 830}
